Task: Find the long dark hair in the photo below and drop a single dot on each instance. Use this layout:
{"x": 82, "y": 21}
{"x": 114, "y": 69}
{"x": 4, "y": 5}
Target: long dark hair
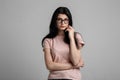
{"x": 53, "y": 30}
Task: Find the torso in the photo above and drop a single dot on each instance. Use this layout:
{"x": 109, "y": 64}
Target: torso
{"x": 60, "y": 53}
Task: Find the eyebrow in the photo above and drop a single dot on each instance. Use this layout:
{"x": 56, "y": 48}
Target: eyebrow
{"x": 62, "y": 18}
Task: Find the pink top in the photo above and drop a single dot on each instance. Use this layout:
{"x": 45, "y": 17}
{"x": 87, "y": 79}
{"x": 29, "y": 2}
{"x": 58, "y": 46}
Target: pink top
{"x": 60, "y": 54}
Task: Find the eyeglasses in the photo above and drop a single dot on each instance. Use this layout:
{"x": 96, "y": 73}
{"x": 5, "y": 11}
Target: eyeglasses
{"x": 66, "y": 21}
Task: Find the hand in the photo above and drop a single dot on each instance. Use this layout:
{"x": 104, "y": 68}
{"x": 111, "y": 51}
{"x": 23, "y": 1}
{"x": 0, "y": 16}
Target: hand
{"x": 70, "y": 30}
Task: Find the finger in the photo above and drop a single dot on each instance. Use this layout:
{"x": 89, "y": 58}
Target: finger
{"x": 70, "y": 26}
{"x": 67, "y": 29}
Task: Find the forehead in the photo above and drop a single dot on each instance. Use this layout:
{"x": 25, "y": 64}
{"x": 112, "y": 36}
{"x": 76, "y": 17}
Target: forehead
{"x": 63, "y": 16}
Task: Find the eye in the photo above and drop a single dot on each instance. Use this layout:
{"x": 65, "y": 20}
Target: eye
{"x": 59, "y": 19}
{"x": 66, "y": 19}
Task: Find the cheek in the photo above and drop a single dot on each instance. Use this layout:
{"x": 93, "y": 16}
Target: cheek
{"x": 58, "y": 25}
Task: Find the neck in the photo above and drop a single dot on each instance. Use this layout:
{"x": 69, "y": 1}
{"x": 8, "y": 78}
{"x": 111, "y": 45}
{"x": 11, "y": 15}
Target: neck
{"x": 61, "y": 33}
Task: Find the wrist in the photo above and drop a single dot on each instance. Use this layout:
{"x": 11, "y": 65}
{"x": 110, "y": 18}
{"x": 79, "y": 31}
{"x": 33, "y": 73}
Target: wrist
{"x": 72, "y": 38}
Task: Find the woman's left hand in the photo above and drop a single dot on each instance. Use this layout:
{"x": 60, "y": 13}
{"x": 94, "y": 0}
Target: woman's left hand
{"x": 70, "y": 32}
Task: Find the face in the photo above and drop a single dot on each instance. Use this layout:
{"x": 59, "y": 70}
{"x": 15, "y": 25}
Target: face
{"x": 62, "y": 22}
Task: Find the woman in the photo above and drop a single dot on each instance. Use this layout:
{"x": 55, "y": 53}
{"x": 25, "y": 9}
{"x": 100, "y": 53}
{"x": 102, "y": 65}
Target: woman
{"x": 62, "y": 47}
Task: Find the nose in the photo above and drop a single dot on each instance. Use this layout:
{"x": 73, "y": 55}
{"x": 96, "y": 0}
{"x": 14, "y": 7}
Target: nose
{"x": 62, "y": 22}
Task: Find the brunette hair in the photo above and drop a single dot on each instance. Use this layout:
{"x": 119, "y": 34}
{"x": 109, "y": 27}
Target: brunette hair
{"x": 53, "y": 30}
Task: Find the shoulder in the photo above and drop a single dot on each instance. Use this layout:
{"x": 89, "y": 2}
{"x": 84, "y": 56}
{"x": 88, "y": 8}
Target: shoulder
{"x": 47, "y": 42}
{"x": 78, "y": 35}
{"x": 79, "y": 39}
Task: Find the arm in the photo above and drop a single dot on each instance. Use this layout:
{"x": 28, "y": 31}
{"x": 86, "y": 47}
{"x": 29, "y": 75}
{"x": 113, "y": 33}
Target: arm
{"x": 75, "y": 54}
{"x": 53, "y": 65}
{"x": 80, "y": 64}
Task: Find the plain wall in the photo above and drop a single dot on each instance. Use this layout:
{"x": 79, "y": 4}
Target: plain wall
{"x": 23, "y": 24}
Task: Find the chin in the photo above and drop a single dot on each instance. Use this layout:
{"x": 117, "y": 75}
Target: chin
{"x": 62, "y": 29}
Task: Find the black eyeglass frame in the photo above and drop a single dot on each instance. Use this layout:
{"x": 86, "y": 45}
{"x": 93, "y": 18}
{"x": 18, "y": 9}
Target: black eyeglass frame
{"x": 66, "y": 21}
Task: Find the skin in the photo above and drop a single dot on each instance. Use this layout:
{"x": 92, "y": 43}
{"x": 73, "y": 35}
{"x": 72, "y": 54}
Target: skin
{"x": 75, "y": 54}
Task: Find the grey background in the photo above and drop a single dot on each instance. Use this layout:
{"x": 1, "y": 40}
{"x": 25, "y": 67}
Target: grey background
{"x": 23, "y": 23}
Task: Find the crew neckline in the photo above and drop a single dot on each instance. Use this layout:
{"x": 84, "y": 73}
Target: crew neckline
{"x": 60, "y": 36}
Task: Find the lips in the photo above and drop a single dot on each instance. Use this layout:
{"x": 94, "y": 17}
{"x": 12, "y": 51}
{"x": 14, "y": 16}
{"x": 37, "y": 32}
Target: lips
{"x": 62, "y": 26}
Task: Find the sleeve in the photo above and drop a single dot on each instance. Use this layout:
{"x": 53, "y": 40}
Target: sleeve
{"x": 46, "y": 43}
{"x": 80, "y": 41}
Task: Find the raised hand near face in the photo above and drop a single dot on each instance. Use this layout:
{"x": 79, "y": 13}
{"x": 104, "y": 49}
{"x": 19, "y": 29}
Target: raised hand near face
{"x": 70, "y": 30}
